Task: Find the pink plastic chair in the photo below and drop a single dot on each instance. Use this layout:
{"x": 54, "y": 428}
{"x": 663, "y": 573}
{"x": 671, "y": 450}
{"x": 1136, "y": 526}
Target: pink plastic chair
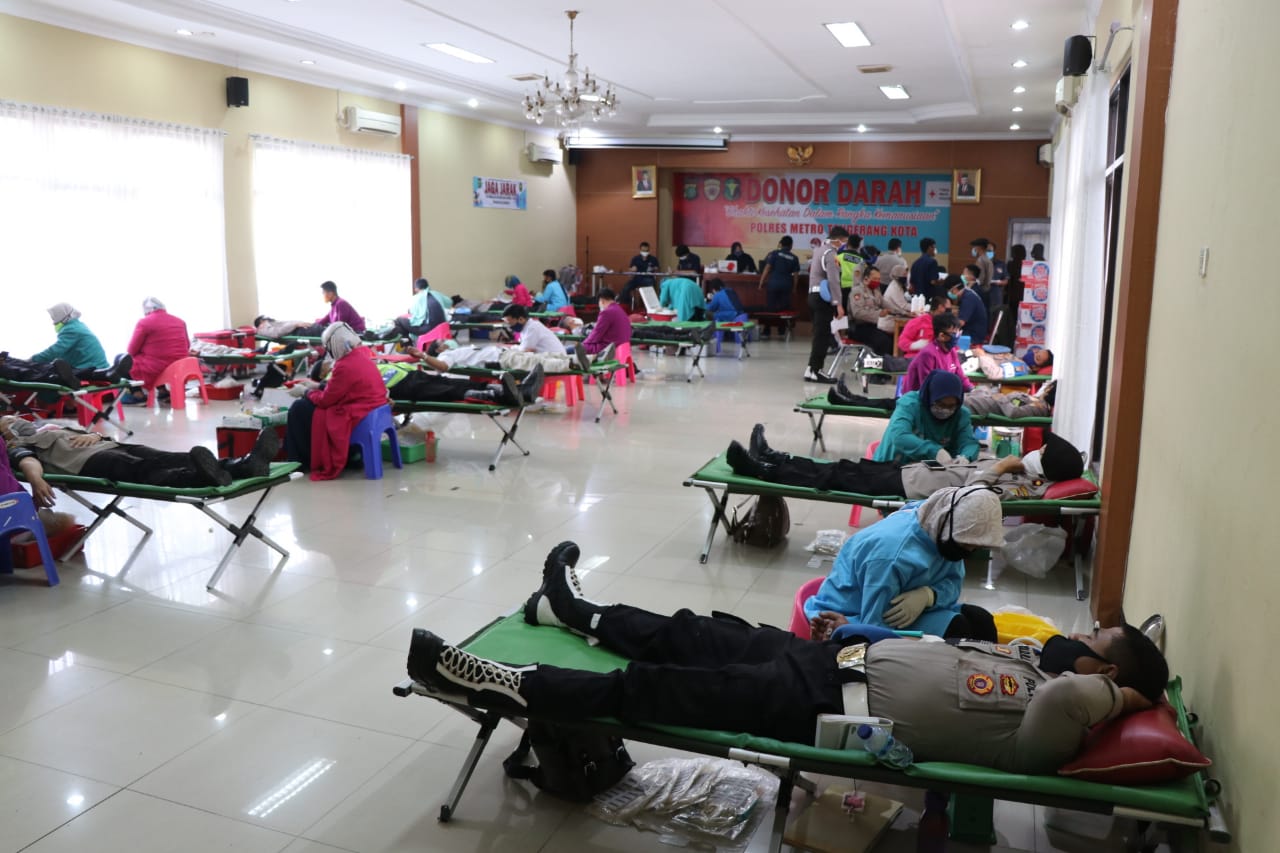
{"x": 800, "y": 622}
{"x": 855, "y": 514}
{"x": 573, "y": 389}
{"x": 175, "y": 378}
{"x": 441, "y": 332}
{"x": 622, "y": 354}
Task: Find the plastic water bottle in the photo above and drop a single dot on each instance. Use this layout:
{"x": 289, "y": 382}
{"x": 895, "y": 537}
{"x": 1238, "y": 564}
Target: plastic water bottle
{"x": 884, "y": 748}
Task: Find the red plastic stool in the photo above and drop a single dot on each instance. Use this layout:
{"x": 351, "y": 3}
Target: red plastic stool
{"x": 799, "y": 622}
{"x": 175, "y": 378}
{"x": 855, "y": 514}
{"x": 572, "y": 388}
{"x": 85, "y": 417}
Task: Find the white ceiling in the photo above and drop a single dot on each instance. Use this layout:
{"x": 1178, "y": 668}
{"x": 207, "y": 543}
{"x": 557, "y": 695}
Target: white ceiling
{"x": 760, "y": 70}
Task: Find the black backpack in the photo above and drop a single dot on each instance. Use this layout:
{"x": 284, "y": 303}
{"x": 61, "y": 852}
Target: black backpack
{"x": 765, "y": 525}
{"x": 572, "y": 764}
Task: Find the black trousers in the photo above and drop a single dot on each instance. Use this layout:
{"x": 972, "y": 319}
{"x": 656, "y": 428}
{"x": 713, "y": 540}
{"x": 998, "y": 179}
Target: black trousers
{"x": 21, "y": 370}
{"x": 881, "y": 343}
{"x": 404, "y": 327}
{"x": 137, "y": 463}
{"x": 422, "y": 387}
{"x": 861, "y": 476}
{"x": 707, "y": 672}
{"x": 624, "y": 295}
{"x": 297, "y": 432}
{"x": 778, "y": 299}
{"x": 822, "y": 312}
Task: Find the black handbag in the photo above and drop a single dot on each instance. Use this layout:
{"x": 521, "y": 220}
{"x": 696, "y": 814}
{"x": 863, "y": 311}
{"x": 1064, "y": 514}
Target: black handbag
{"x": 572, "y": 764}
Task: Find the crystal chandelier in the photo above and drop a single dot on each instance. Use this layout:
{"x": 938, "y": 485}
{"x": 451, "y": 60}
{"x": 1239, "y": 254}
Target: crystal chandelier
{"x": 573, "y": 97}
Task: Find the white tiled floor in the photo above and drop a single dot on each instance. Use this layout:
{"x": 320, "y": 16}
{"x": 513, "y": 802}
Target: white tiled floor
{"x": 140, "y": 712}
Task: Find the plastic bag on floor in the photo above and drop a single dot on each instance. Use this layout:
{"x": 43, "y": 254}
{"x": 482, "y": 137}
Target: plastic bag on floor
{"x": 828, "y": 542}
{"x": 702, "y": 801}
{"x": 1034, "y": 549}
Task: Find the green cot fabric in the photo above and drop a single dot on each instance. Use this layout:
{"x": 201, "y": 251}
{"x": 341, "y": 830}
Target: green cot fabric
{"x": 695, "y": 324}
{"x": 11, "y": 385}
{"x": 513, "y": 641}
{"x": 718, "y": 471}
{"x": 1025, "y": 379}
{"x": 280, "y": 472}
{"x": 602, "y": 367}
{"x": 822, "y": 404}
{"x": 410, "y": 407}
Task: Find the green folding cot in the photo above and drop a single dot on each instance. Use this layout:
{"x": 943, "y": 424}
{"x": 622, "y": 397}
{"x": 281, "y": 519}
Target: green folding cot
{"x": 1187, "y": 806}
{"x": 603, "y": 372}
{"x": 719, "y": 481}
{"x": 24, "y": 397}
{"x": 202, "y": 498}
{"x": 490, "y": 410}
{"x": 819, "y": 408}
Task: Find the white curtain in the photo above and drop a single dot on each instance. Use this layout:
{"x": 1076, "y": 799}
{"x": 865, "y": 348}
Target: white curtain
{"x": 102, "y": 211}
{"x": 1077, "y": 285}
{"x": 322, "y": 213}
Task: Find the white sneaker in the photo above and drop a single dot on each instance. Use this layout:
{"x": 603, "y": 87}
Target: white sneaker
{"x": 810, "y": 376}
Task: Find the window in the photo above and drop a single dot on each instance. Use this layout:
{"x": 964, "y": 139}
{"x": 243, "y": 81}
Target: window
{"x": 322, "y": 213}
{"x": 1117, "y": 127}
{"x": 102, "y": 211}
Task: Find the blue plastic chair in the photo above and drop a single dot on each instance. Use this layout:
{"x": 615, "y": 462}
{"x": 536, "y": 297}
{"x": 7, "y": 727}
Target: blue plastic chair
{"x": 18, "y": 513}
{"x": 737, "y": 336}
{"x": 368, "y": 437}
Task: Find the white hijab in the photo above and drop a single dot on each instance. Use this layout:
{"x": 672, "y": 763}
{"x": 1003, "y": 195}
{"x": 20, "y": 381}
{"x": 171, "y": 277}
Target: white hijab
{"x": 339, "y": 340}
{"x": 978, "y": 522}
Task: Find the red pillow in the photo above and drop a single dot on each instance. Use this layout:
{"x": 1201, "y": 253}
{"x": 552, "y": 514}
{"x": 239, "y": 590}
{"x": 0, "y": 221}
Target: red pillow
{"x": 1067, "y": 489}
{"x": 1137, "y": 749}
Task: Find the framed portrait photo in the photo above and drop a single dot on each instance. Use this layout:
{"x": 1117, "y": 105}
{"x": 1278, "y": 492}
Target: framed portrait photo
{"x": 966, "y": 186}
{"x": 644, "y": 181}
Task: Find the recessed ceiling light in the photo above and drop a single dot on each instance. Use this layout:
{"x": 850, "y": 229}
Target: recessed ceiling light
{"x": 862, "y": 128}
{"x": 1015, "y": 127}
{"x": 717, "y": 129}
{"x": 307, "y": 61}
{"x": 1017, "y": 109}
{"x": 400, "y": 85}
{"x": 185, "y": 32}
{"x": 1019, "y": 63}
{"x": 457, "y": 52}
{"x": 895, "y": 93}
{"x": 1018, "y": 90}
{"x": 848, "y": 34}
{"x": 473, "y": 103}
{"x": 1019, "y": 25}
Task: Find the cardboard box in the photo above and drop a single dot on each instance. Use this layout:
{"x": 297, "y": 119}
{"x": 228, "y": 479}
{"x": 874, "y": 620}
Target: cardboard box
{"x": 1032, "y": 312}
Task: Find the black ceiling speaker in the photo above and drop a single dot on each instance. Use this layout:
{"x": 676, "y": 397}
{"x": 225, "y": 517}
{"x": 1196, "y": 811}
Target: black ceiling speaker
{"x": 237, "y": 91}
{"x": 1077, "y": 53}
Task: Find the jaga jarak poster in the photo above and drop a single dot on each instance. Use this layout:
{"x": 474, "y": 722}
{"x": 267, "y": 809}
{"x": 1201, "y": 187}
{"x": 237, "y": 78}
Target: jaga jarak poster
{"x": 498, "y": 192}
{"x": 760, "y": 208}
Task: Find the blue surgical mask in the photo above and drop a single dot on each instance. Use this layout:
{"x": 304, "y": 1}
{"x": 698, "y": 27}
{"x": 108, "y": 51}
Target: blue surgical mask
{"x": 991, "y": 254}
{"x": 974, "y": 251}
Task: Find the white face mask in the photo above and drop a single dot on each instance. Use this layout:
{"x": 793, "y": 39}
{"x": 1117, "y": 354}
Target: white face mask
{"x": 643, "y": 253}
{"x": 1031, "y": 462}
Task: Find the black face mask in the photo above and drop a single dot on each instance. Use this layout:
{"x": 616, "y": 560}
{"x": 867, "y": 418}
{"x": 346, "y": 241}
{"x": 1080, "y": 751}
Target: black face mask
{"x": 952, "y": 550}
{"x": 1059, "y": 654}
{"x": 948, "y": 547}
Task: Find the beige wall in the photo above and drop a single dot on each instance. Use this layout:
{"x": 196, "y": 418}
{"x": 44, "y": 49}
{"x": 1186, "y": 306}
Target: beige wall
{"x": 48, "y": 65}
{"x": 1205, "y": 537}
{"x": 470, "y": 250}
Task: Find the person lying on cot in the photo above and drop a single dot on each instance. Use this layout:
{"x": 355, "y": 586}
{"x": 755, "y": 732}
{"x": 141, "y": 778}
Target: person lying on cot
{"x": 69, "y": 450}
{"x": 42, "y": 494}
{"x": 1025, "y": 478}
{"x": 407, "y": 384}
{"x": 927, "y": 421}
{"x": 1011, "y": 708}
{"x": 318, "y": 432}
{"x": 61, "y": 372}
{"x": 269, "y": 327}
{"x": 447, "y": 355}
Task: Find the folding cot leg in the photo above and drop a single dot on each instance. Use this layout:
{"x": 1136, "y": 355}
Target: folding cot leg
{"x": 972, "y": 819}
{"x": 99, "y": 415}
{"x": 507, "y": 435}
{"x": 698, "y": 350}
{"x": 717, "y": 517}
{"x": 816, "y": 426}
{"x": 487, "y": 724}
{"x": 1077, "y": 556}
{"x": 101, "y": 515}
{"x": 781, "y": 809}
{"x": 241, "y": 532}
{"x": 605, "y": 383}
{"x": 742, "y": 346}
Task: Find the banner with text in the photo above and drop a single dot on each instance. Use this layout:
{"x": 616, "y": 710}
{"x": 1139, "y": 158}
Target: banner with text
{"x": 759, "y": 208}
{"x": 498, "y": 192}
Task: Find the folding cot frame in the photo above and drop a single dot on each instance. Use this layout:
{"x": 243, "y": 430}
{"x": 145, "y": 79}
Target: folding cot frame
{"x": 818, "y": 408}
{"x": 21, "y": 395}
{"x": 200, "y": 498}
{"x": 1187, "y": 806}
{"x": 220, "y": 364}
{"x": 603, "y": 373}
{"x": 492, "y": 412}
{"x": 720, "y": 483}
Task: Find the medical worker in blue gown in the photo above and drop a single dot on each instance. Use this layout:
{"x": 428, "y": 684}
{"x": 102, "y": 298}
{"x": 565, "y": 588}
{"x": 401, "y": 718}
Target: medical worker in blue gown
{"x": 905, "y": 572}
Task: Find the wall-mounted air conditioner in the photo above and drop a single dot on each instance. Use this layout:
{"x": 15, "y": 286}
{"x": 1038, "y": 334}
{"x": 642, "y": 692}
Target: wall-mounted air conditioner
{"x": 1044, "y": 154}
{"x": 360, "y": 120}
{"x": 544, "y": 153}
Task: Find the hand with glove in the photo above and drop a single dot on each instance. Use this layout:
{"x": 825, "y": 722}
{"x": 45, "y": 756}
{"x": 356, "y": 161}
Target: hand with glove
{"x": 300, "y": 388}
{"x": 906, "y": 608}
